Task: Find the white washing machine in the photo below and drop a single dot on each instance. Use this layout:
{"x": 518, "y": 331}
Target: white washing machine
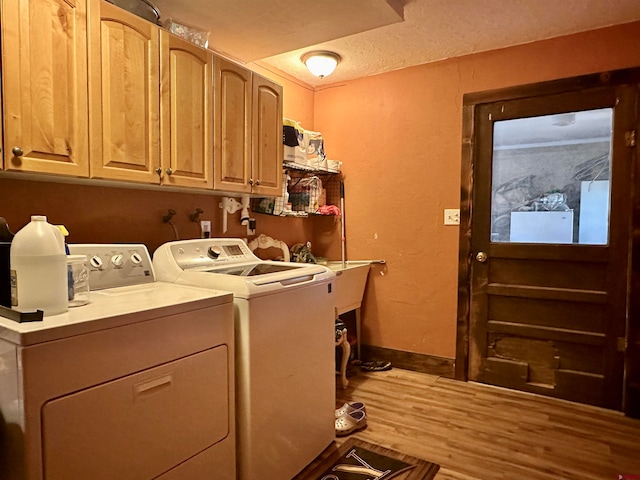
{"x": 285, "y": 353}
{"x": 137, "y": 384}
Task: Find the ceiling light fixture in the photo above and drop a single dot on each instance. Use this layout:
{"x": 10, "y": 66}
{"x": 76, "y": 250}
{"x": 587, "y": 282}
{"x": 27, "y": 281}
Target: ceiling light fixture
{"x": 321, "y": 63}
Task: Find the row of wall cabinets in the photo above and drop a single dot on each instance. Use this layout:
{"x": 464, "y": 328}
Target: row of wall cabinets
{"x": 93, "y": 91}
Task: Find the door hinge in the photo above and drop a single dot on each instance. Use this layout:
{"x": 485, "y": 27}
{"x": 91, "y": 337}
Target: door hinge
{"x": 621, "y": 343}
{"x": 630, "y": 138}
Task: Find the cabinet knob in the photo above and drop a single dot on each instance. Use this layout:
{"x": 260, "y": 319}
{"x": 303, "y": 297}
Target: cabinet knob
{"x": 169, "y": 171}
{"x": 17, "y": 152}
{"x": 257, "y": 182}
{"x": 251, "y": 181}
{"x": 158, "y": 171}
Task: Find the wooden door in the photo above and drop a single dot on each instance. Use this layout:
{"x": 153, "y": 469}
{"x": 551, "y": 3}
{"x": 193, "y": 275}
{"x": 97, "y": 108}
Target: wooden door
{"x": 186, "y": 109}
{"x": 125, "y": 94}
{"x": 548, "y": 289}
{"x": 232, "y": 124}
{"x": 267, "y": 147}
{"x": 44, "y": 48}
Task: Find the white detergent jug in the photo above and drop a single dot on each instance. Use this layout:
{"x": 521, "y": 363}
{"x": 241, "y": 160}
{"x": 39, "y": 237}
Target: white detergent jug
{"x": 39, "y": 268}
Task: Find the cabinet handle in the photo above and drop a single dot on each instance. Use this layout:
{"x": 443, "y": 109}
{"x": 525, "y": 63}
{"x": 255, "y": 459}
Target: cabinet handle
{"x": 251, "y": 181}
{"x": 169, "y": 171}
{"x": 17, "y": 151}
{"x": 257, "y": 182}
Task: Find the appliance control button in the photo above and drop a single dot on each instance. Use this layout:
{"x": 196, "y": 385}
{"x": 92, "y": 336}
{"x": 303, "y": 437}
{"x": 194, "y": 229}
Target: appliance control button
{"x": 136, "y": 258}
{"x": 117, "y": 260}
{"x": 95, "y": 261}
{"x": 181, "y": 250}
{"x": 214, "y": 251}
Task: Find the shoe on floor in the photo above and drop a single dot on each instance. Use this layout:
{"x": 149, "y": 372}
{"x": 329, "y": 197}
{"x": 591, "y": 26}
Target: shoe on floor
{"x": 350, "y": 407}
{"x": 375, "y": 366}
{"x": 350, "y": 422}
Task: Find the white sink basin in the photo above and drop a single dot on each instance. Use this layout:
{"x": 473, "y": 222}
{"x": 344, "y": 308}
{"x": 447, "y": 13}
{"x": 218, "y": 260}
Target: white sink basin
{"x": 351, "y": 281}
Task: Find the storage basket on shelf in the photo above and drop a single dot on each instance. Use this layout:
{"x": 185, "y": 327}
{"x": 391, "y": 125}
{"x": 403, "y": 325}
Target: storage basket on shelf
{"x": 304, "y": 194}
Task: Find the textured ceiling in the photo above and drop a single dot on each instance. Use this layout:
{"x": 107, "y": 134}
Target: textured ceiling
{"x": 253, "y": 29}
{"x": 432, "y": 30}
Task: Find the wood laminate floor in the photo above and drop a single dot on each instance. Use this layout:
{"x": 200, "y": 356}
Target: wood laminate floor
{"x": 480, "y": 432}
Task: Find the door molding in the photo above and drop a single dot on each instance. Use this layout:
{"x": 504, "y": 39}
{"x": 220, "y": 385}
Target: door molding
{"x": 471, "y": 102}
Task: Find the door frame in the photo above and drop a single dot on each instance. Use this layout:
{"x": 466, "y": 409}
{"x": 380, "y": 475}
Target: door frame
{"x": 471, "y": 102}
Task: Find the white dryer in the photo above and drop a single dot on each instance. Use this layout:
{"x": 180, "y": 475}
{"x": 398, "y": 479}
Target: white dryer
{"x": 285, "y": 353}
{"x": 136, "y": 385}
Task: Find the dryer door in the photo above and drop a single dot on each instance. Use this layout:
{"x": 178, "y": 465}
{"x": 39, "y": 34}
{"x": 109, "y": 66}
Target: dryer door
{"x": 139, "y": 426}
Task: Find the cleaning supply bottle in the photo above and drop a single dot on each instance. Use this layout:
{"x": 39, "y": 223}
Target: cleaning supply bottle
{"x": 65, "y": 234}
{"x": 39, "y": 268}
{"x": 5, "y": 277}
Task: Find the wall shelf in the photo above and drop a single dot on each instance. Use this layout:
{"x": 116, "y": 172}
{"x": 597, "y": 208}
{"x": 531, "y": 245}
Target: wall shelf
{"x": 330, "y": 184}
{"x": 299, "y": 167}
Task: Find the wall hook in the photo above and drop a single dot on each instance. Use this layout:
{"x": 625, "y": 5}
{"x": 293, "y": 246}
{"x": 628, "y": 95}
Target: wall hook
{"x": 195, "y": 217}
{"x": 169, "y": 216}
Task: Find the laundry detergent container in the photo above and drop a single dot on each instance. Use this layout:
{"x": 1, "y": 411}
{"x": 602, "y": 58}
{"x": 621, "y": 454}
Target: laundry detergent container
{"x": 39, "y": 268}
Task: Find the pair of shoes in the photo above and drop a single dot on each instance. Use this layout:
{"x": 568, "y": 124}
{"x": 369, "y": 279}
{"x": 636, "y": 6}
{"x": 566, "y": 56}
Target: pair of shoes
{"x": 350, "y": 422}
{"x": 350, "y": 407}
{"x": 375, "y": 366}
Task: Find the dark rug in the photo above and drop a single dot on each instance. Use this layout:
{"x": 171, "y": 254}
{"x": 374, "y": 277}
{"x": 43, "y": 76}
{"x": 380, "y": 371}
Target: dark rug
{"x": 356, "y": 459}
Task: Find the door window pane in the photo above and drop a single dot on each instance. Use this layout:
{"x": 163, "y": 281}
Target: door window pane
{"x": 550, "y": 178}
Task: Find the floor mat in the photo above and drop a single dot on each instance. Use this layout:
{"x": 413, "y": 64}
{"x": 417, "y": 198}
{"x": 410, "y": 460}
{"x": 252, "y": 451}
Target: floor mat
{"x": 356, "y": 459}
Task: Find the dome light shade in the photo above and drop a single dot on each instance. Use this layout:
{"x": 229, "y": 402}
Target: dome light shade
{"x": 321, "y": 63}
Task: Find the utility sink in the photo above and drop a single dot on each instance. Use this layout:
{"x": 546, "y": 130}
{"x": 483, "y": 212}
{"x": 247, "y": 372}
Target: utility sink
{"x": 351, "y": 280}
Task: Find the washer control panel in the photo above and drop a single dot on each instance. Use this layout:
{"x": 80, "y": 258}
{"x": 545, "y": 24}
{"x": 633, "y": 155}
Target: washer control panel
{"x": 115, "y": 264}
{"x": 210, "y": 252}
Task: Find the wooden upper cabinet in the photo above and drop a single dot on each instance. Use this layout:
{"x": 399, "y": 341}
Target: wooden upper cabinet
{"x": 232, "y": 119}
{"x": 44, "y": 49}
{"x": 248, "y": 131}
{"x": 124, "y": 89}
{"x": 186, "y": 113}
{"x": 267, "y": 149}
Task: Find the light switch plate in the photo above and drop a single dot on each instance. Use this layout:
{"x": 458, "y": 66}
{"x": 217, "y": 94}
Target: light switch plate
{"x": 452, "y": 216}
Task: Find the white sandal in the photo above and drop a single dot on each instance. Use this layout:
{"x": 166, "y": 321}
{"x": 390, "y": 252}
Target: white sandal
{"x": 350, "y": 407}
{"x": 350, "y": 422}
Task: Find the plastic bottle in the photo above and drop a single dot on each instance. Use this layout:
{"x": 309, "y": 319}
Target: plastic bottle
{"x": 5, "y": 277}
{"x": 39, "y": 268}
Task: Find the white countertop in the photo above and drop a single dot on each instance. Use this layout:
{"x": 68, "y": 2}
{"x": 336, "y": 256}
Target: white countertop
{"x": 114, "y": 307}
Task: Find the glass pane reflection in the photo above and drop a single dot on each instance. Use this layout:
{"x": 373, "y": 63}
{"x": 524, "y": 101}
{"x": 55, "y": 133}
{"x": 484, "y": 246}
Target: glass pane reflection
{"x": 550, "y": 178}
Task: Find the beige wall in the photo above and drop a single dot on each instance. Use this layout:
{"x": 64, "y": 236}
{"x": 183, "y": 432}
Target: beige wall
{"x": 399, "y": 136}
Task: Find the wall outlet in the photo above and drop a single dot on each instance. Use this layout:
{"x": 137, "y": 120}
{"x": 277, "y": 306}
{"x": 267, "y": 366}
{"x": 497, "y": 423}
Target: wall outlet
{"x": 452, "y": 216}
{"x": 251, "y": 227}
{"x": 205, "y": 228}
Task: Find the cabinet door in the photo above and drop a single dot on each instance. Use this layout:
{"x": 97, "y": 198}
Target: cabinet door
{"x": 232, "y": 123}
{"x": 267, "y": 148}
{"x": 125, "y": 95}
{"x": 44, "y": 47}
{"x": 185, "y": 113}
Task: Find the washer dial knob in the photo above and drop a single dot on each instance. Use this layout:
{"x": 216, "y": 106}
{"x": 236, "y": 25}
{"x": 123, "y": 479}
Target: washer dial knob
{"x": 136, "y": 258}
{"x": 95, "y": 261}
{"x": 117, "y": 260}
{"x": 214, "y": 251}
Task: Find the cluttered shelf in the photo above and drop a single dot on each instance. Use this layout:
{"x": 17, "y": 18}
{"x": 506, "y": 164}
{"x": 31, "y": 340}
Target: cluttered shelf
{"x": 307, "y": 191}
{"x": 292, "y": 213}
{"x": 311, "y": 183}
{"x": 332, "y": 167}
